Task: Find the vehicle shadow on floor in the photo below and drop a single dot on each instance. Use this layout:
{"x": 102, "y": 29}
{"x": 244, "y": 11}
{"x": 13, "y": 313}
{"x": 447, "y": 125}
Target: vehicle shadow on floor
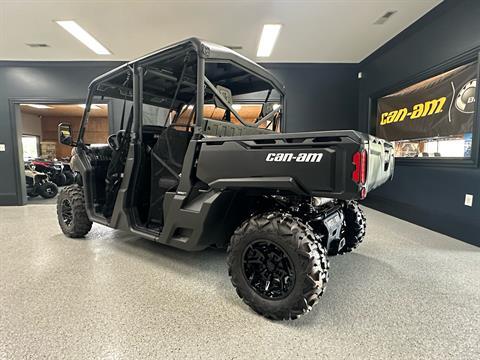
{"x": 354, "y": 278}
{"x": 186, "y": 263}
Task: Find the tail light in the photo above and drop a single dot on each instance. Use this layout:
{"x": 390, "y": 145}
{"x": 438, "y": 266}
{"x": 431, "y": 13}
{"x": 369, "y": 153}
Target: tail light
{"x": 359, "y": 175}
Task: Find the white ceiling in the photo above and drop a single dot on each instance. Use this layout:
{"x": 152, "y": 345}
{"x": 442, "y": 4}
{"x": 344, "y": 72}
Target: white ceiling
{"x": 313, "y": 31}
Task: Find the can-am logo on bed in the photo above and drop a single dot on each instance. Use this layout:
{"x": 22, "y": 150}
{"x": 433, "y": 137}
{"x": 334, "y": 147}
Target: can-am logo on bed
{"x": 289, "y": 157}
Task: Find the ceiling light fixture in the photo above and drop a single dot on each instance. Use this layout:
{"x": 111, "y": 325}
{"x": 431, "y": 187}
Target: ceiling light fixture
{"x": 83, "y": 36}
{"x": 267, "y": 40}
{"x": 38, "y": 106}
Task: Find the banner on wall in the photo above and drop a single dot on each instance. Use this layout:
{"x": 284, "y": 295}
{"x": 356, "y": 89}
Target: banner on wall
{"x": 441, "y": 106}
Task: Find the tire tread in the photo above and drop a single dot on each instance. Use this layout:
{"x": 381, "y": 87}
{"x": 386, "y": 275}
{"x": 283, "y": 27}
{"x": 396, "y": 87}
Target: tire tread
{"x": 81, "y": 224}
{"x": 301, "y": 239}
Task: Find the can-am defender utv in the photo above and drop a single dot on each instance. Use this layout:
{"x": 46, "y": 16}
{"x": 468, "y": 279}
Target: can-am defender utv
{"x": 199, "y": 159}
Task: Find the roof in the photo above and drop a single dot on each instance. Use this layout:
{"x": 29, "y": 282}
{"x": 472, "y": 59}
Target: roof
{"x": 204, "y": 49}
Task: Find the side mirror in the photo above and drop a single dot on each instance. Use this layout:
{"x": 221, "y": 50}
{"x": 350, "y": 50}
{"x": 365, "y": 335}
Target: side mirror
{"x": 65, "y": 134}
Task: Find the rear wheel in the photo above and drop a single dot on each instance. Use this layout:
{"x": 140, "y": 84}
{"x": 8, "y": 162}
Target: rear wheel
{"x": 71, "y": 212}
{"x": 276, "y": 266}
{"x": 48, "y": 190}
{"x": 355, "y": 226}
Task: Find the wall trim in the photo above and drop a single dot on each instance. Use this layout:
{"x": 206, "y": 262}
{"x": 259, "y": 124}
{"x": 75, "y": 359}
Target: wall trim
{"x": 8, "y": 199}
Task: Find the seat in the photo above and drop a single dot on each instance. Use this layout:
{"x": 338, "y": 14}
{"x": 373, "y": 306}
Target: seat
{"x": 167, "y": 157}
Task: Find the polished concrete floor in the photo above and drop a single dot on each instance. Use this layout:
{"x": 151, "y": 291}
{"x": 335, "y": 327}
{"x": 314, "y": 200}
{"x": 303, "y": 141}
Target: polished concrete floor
{"x": 407, "y": 293}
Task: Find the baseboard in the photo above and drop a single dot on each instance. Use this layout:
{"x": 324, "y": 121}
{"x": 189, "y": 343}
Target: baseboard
{"x": 433, "y": 220}
{"x": 8, "y": 199}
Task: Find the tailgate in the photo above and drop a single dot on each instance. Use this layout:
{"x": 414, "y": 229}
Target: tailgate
{"x": 380, "y": 162}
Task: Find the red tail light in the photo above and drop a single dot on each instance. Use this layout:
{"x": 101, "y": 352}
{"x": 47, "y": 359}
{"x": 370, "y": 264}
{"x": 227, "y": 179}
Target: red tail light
{"x": 359, "y": 175}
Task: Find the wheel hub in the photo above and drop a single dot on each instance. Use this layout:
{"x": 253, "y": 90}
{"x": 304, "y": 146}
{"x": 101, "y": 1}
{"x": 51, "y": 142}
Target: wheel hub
{"x": 268, "y": 269}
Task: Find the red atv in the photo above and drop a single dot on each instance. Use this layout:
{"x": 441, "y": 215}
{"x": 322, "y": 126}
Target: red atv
{"x": 57, "y": 171}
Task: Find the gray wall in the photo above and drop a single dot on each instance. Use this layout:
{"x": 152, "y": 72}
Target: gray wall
{"x": 429, "y": 196}
{"x": 320, "y": 97}
{"x": 27, "y": 80}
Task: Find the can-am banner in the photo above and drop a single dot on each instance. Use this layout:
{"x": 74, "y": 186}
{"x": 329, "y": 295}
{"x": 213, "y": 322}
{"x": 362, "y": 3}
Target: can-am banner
{"x": 441, "y": 106}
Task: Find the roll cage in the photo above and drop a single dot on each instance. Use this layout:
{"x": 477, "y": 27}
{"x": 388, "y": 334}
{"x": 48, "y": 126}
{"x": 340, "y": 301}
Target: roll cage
{"x": 185, "y": 75}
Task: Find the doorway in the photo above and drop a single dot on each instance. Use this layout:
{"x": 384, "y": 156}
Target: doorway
{"x": 46, "y": 169}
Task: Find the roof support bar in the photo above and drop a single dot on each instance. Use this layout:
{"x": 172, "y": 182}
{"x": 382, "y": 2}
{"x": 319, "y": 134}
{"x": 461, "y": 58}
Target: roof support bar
{"x": 225, "y": 102}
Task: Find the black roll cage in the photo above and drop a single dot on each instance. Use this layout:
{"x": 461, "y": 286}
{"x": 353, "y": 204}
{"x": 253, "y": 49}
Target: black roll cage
{"x": 205, "y": 52}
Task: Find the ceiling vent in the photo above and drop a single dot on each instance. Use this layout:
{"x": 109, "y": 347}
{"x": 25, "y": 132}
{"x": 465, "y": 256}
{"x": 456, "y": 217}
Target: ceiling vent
{"x": 383, "y": 19}
{"x": 37, "y": 45}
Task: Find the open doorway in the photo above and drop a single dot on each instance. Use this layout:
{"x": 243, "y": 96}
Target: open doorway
{"x": 46, "y": 161}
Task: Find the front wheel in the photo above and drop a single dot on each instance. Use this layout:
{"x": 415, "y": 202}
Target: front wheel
{"x": 71, "y": 213}
{"x": 48, "y": 190}
{"x": 277, "y": 266}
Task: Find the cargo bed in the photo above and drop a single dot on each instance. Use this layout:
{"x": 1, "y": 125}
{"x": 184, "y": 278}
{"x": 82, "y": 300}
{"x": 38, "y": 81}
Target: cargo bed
{"x": 337, "y": 164}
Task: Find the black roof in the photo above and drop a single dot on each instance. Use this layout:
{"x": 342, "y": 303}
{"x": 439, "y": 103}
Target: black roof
{"x": 204, "y": 49}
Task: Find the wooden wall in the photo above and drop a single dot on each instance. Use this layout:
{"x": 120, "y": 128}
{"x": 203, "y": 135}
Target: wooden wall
{"x": 96, "y": 131}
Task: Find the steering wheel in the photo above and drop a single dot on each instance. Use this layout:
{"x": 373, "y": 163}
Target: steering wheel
{"x": 114, "y": 140}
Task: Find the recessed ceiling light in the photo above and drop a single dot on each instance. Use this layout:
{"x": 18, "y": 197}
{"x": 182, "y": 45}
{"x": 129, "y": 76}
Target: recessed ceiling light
{"x": 92, "y": 107}
{"x": 83, "y": 36}
{"x": 267, "y": 40}
{"x": 38, "y": 106}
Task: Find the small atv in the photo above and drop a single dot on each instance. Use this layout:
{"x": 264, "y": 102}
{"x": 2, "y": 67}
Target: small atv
{"x": 53, "y": 169}
{"x": 202, "y": 159}
{"x": 39, "y": 184}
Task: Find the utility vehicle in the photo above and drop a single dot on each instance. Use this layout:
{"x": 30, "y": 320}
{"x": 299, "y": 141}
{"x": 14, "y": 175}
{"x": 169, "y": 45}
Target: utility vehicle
{"x": 199, "y": 158}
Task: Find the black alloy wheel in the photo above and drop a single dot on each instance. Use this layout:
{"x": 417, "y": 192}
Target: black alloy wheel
{"x": 268, "y": 269}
